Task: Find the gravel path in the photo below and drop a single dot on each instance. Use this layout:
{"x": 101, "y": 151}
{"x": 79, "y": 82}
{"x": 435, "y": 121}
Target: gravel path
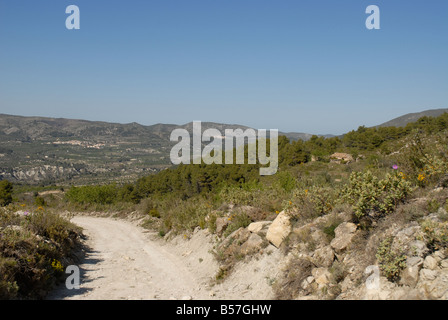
{"x": 125, "y": 263}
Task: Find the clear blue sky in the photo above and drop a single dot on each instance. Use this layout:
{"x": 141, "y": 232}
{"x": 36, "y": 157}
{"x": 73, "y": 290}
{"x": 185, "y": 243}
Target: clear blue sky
{"x": 293, "y": 65}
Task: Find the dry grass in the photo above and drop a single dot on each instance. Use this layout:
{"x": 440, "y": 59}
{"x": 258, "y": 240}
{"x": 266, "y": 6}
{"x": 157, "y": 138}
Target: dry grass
{"x": 289, "y": 286}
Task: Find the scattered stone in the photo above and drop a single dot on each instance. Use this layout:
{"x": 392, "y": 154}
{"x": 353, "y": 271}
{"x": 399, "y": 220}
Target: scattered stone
{"x": 346, "y": 284}
{"x": 436, "y": 284}
{"x": 187, "y": 253}
{"x": 442, "y": 212}
{"x": 404, "y": 238}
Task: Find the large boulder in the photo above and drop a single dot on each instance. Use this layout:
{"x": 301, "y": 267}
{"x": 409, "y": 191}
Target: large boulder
{"x": 344, "y": 234}
{"x": 279, "y": 229}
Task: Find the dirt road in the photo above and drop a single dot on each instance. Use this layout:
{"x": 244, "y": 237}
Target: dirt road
{"x": 125, "y": 262}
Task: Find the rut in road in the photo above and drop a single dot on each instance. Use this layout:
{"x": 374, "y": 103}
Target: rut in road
{"x": 125, "y": 263}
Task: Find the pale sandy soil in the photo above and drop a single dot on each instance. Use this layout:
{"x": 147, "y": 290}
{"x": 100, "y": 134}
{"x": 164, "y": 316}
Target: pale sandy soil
{"x": 126, "y": 261}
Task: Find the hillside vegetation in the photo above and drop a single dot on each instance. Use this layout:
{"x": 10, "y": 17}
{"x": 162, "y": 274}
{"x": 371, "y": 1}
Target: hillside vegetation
{"x": 35, "y": 248}
{"x": 416, "y": 151}
{"x": 368, "y": 181}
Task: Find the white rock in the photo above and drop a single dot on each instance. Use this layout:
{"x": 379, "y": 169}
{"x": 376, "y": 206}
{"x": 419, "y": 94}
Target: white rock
{"x": 258, "y": 226}
{"x": 344, "y": 234}
{"x": 279, "y": 229}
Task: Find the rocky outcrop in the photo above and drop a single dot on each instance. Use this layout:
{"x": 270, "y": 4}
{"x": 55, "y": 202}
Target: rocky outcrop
{"x": 348, "y": 265}
{"x": 41, "y": 173}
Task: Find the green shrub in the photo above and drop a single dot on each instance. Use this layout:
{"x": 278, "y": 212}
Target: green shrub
{"x": 286, "y": 181}
{"x": 211, "y": 222}
{"x": 8, "y": 285}
{"x": 436, "y": 234}
{"x": 433, "y": 205}
{"x": 32, "y": 248}
{"x": 183, "y": 215}
{"x": 310, "y": 203}
{"x": 365, "y": 192}
{"x": 426, "y": 157}
{"x": 239, "y": 220}
{"x": 391, "y": 262}
{"x": 330, "y": 225}
{"x": 102, "y": 194}
{"x": 6, "y": 189}
{"x": 40, "y": 201}
{"x": 237, "y": 195}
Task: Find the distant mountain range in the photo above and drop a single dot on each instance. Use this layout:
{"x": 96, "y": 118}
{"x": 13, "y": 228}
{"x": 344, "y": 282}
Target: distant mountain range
{"x": 412, "y": 117}
{"x": 40, "y": 150}
{"x": 55, "y": 150}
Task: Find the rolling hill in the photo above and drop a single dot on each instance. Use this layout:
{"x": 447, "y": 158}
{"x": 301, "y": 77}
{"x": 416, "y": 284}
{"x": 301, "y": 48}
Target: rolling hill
{"x": 412, "y": 117}
{"x": 40, "y": 150}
